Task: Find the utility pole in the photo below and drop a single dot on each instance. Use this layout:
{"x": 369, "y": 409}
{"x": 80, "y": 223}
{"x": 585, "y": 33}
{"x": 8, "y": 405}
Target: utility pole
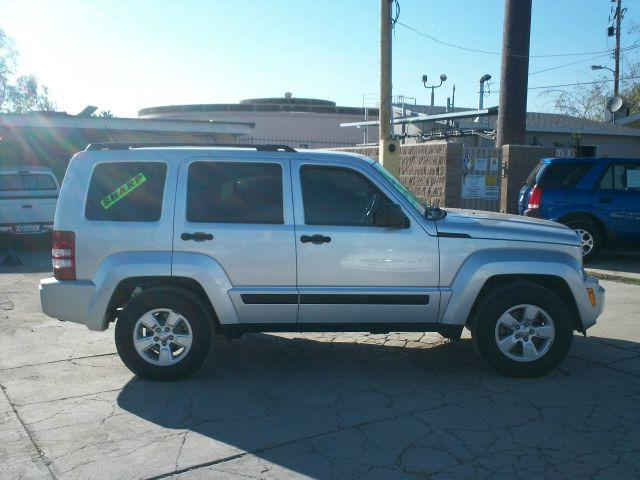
{"x": 514, "y": 73}
{"x": 389, "y": 150}
{"x": 616, "y": 52}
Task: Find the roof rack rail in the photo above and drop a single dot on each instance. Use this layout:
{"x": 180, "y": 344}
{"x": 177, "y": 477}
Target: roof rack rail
{"x": 129, "y": 146}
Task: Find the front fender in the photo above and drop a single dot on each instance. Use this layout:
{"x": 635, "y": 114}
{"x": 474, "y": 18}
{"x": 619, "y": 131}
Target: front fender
{"x": 483, "y": 265}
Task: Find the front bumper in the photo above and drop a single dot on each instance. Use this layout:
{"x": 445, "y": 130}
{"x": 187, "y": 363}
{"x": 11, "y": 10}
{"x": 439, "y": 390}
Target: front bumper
{"x": 590, "y": 307}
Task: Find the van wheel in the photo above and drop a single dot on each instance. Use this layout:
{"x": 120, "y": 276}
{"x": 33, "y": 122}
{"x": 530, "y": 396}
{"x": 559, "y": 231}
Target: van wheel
{"x": 163, "y": 334}
{"x": 590, "y": 238}
{"x": 523, "y": 330}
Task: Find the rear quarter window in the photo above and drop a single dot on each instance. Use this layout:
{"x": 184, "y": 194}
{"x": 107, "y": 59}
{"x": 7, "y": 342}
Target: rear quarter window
{"x": 126, "y": 192}
{"x": 563, "y": 175}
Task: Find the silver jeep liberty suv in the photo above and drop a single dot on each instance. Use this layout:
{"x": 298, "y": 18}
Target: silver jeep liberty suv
{"x": 176, "y": 244}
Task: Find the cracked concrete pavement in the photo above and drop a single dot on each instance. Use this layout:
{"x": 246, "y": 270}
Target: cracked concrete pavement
{"x": 403, "y": 405}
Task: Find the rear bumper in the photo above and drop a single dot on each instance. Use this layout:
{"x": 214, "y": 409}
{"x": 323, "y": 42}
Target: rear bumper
{"x": 69, "y": 301}
{"x": 26, "y": 228}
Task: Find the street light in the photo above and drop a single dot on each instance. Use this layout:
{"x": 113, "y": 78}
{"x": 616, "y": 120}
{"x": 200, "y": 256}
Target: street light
{"x": 443, "y": 78}
{"x": 600, "y": 67}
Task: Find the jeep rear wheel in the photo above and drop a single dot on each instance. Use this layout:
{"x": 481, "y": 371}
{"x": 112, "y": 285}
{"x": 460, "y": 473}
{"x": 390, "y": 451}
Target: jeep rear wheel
{"x": 523, "y": 330}
{"x": 163, "y": 334}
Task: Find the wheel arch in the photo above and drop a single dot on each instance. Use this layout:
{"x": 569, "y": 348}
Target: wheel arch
{"x": 550, "y": 282}
{"x": 487, "y": 269}
{"x": 129, "y": 288}
{"x": 602, "y": 229}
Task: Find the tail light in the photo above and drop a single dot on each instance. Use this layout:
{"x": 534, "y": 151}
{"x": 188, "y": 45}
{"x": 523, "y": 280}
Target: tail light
{"x": 63, "y": 255}
{"x": 534, "y": 197}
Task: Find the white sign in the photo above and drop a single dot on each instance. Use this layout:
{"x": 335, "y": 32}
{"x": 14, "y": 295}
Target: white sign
{"x": 565, "y": 152}
{"x": 633, "y": 178}
{"x": 480, "y": 164}
{"x": 491, "y": 193}
{"x": 473, "y": 186}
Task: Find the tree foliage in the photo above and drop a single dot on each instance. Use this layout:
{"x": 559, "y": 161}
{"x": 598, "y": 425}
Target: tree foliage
{"x": 23, "y": 93}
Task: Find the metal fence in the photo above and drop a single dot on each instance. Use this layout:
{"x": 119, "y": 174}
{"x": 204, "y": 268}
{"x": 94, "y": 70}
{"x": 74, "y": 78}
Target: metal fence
{"x": 294, "y": 142}
{"x": 481, "y": 178}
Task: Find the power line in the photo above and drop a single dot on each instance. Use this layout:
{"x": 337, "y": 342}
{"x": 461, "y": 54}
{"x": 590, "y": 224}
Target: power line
{"x": 581, "y": 83}
{"x": 568, "y": 64}
{"x": 476, "y": 50}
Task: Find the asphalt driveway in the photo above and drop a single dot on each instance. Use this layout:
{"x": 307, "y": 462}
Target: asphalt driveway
{"x": 313, "y": 405}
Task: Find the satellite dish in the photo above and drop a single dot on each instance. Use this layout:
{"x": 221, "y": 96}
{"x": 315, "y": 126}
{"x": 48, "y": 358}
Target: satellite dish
{"x": 613, "y": 104}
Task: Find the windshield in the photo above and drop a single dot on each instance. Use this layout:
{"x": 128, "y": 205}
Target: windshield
{"x": 404, "y": 191}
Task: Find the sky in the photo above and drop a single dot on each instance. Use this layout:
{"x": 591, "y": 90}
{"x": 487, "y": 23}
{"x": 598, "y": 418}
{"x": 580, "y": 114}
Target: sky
{"x": 124, "y": 55}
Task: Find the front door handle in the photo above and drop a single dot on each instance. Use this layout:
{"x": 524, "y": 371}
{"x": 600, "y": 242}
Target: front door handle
{"x": 315, "y": 239}
{"x": 197, "y": 236}
{"x": 604, "y": 199}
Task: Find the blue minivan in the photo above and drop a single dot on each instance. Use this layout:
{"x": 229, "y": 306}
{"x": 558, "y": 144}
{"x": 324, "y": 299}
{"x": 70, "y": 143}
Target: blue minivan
{"x": 599, "y": 198}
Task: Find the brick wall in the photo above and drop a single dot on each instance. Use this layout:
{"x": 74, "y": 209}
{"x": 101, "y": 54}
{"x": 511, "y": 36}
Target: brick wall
{"x": 432, "y": 172}
{"x": 518, "y": 161}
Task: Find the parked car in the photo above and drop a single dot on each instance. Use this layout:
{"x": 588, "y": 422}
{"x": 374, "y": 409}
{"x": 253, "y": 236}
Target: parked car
{"x": 599, "y": 198}
{"x": 28, "y": 197}
{"x": 174, "y": 244}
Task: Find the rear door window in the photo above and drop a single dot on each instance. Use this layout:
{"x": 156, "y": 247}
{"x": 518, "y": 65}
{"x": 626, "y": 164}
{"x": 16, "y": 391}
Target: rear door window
{"x": 235, "y": 192}
{"x": 126, "y": 192}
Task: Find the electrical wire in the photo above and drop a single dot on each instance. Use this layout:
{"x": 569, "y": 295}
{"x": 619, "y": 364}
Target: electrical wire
{"x": 568, "y": 64}
{"x": 581, "y": 83}
{"x": 488, "y": 52}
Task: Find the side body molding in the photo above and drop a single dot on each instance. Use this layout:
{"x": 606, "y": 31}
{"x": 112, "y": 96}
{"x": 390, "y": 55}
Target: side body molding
{"x": 483, "y": 265}
{"x": 213, "y": 279}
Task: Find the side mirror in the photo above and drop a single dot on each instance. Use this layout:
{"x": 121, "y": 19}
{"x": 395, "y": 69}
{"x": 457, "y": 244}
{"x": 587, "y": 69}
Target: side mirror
{"x": 390, "y": 216}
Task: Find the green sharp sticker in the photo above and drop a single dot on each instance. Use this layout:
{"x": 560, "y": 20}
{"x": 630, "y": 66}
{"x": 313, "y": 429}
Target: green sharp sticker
{"x": 122, "y": 191}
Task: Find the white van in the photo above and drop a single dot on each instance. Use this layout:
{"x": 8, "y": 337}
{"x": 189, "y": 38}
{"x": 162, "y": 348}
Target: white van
{"x": 28, "y": 197}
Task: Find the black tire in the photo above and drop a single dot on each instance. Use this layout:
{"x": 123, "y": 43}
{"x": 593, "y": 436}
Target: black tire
{"x": 488, "y": 327}
{"x": 193, "y": 323}
{"x": 589, "y": 236}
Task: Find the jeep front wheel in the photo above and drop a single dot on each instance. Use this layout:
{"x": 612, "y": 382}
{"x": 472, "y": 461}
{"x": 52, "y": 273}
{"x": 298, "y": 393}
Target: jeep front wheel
{"x": 523, "y": 330}
{"x": 163, "y": 334}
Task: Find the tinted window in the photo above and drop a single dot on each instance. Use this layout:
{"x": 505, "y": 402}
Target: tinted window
{"x": 338, "y": 196}
{"x": 234, "y": 192}
{"x": 27, "y": 181}
{"x": 621, "y": 177}
{"x": 126, "y": 192}
{"x": 563, "y": 175}
{"x": 531, "y": 179}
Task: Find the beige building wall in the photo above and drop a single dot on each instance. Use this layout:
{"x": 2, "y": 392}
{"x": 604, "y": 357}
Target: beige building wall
{"x": 298, "y": 129}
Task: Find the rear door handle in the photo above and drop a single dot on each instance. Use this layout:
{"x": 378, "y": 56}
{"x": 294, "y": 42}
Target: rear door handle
{"x": 315, "y": 239}
{"x": 604, "y": 199}
{"x": 197, "y": 236}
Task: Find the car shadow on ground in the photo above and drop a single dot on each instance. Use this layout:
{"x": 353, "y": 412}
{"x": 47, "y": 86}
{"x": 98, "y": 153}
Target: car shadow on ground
{"x": 617, "y": 261}
{"x": 341, "y": 410}
{"x": 33, "y": 254}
